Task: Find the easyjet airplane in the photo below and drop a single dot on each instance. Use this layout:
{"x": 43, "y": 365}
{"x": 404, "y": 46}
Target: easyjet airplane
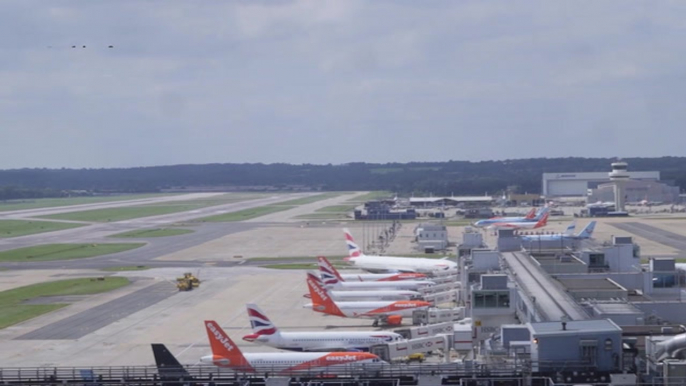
{"x": 225, "y": 353}
{"x": 393, "y": 264}
{"x": 386, "y": 312}
{"x": 265, "y": 332}
{"x": 333, "y": 280}
{"x": 358, "y": 296}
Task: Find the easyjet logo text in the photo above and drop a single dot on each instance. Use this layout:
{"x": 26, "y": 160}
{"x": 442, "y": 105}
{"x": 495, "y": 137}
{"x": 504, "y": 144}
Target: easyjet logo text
{"x": 317, "y": 289}
{"x": 218, "y": 336}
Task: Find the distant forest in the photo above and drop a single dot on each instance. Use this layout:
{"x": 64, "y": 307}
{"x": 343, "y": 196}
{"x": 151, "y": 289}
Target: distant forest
{"x": 438, "y": 178}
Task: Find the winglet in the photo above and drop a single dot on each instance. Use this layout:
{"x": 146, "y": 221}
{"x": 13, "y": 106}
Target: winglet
{"x": 570, "y": 229}
{"x": 321, "y": 301}
{"x": 329, "y": 274}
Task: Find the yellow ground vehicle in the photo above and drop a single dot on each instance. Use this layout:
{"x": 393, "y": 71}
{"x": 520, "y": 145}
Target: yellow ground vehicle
{"x": 187, "y": 282}
{"x": 417, "y": 357}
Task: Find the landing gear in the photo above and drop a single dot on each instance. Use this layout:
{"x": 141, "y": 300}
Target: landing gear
{"x": 376, "y": 323}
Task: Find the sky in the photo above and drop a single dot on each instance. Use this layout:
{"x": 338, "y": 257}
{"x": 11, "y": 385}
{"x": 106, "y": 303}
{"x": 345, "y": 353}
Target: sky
{"x": 338, "y": 81}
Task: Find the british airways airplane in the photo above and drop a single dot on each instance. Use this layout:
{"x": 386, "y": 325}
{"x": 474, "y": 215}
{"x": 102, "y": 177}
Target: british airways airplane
{"x": 391, "y": 263}
{"x": 585, "y": 233}
{"x": 530, "y": 217}
{"x": 266, "y": 333}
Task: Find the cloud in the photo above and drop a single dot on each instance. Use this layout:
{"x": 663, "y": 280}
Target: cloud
{"x": 337, "y": 81}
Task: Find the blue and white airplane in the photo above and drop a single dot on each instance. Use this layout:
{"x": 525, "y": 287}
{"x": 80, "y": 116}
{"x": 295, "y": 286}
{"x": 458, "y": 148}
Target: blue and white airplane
{"x": 585, "y": 233}
{"x": 530, "y": 217}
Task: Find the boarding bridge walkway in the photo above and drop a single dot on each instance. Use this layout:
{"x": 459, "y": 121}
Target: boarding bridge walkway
{"x": 551, "y": 301}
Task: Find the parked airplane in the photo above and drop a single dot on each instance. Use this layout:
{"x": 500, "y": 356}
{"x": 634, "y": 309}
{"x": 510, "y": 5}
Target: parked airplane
{"x": 362, "y": 295}
{"x": 265, "y": 332}
{"x": 332, "y": 280}
{"x": 585, "y": 233}
{"x": 225, "y": 353}
{"x": 392, "y": 264}
{"x": 386, "y": 312}
{"x": 532, "y": 216}
{"x": 382, "y": 276}
{"x": 168, "y": 367}
{"x": 521, "y": 225}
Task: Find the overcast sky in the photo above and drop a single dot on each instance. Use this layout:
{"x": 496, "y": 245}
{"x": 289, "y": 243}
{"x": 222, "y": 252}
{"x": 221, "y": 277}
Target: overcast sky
{"x": 338, "y": 81}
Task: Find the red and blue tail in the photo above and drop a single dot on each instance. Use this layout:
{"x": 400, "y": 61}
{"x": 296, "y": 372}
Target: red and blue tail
{"x": 260, "y": 323}
{"x": 353, "y": 249}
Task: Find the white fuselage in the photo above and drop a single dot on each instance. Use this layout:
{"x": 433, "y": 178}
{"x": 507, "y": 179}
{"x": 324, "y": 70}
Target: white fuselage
{"x": 374, "y": 310}
{"x": 303, "y": 362}
{"x": 380, "y": 285}
{"x": 327, "y": 341}
{"x": 377, "y": 277}
{"x": 371, "y": 295}
{"x": 401, "y": 264}
{"x": 515, "y": 225}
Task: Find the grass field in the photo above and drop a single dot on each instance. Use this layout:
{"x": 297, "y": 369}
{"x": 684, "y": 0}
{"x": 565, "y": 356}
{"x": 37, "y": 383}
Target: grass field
{"x": 324, "y": 216}
{"x": 14, "y": 228}
{"x": 57, "y": 202}
{"x": 130, "y": 212}
{"x": 457, "y": 223}
{"x": 311, "y": 199}
{"x": 12, "y": 311}
{"x": 337, "y": 209}
{"x": 126, "y": 268}
{"x": 159, "y": 232}
{"x": 49, "y": 252}
{"x": 371, "y": 196}
{"x": 246, "y": 214}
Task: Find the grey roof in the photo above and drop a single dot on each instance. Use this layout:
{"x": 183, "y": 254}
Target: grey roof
{"x": 616, "y": 308}
{"x": 590, "y": 284}
{"x": 574, "y": 327}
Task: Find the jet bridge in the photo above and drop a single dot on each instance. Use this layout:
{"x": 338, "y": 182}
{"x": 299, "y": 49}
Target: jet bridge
{"x": 405, "y": 348}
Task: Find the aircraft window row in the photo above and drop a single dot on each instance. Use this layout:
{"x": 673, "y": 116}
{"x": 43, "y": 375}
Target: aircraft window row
{"x": 337, "y": 340}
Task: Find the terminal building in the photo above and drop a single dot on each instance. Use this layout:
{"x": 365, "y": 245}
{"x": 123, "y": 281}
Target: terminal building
{"x": 578, "y": 184}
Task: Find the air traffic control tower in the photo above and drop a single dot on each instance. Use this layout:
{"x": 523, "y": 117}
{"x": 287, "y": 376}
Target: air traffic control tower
{"x": 619, "y": 176}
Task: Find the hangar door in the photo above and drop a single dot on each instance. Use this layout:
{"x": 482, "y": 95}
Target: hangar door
{"x": 567, "y": 187}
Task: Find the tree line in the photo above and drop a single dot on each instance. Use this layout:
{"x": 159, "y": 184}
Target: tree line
{"x": 438, "y": 178}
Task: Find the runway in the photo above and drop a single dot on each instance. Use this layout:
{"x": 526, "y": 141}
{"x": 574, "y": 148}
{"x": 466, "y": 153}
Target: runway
{"x": 98, "y": 231}
{"x": 658, "y": 235}
{"x": 86, "y": 322}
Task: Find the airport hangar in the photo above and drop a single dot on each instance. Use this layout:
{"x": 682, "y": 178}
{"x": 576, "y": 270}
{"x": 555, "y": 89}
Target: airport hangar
{"x": 578, "y": 184}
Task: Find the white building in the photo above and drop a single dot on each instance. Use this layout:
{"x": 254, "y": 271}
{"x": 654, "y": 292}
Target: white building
{"x": 578, "y": 184}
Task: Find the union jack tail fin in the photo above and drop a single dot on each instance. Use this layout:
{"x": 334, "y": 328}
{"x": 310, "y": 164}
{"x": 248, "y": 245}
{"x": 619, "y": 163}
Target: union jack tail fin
{"x": 321, "y": 301}
{"x": 329, "y": 274}
{"x": 260, "y": 323}
{"x": 531, "y": 214}
{"x": 223, "y": 348}
{"x": 353, "y": 249}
